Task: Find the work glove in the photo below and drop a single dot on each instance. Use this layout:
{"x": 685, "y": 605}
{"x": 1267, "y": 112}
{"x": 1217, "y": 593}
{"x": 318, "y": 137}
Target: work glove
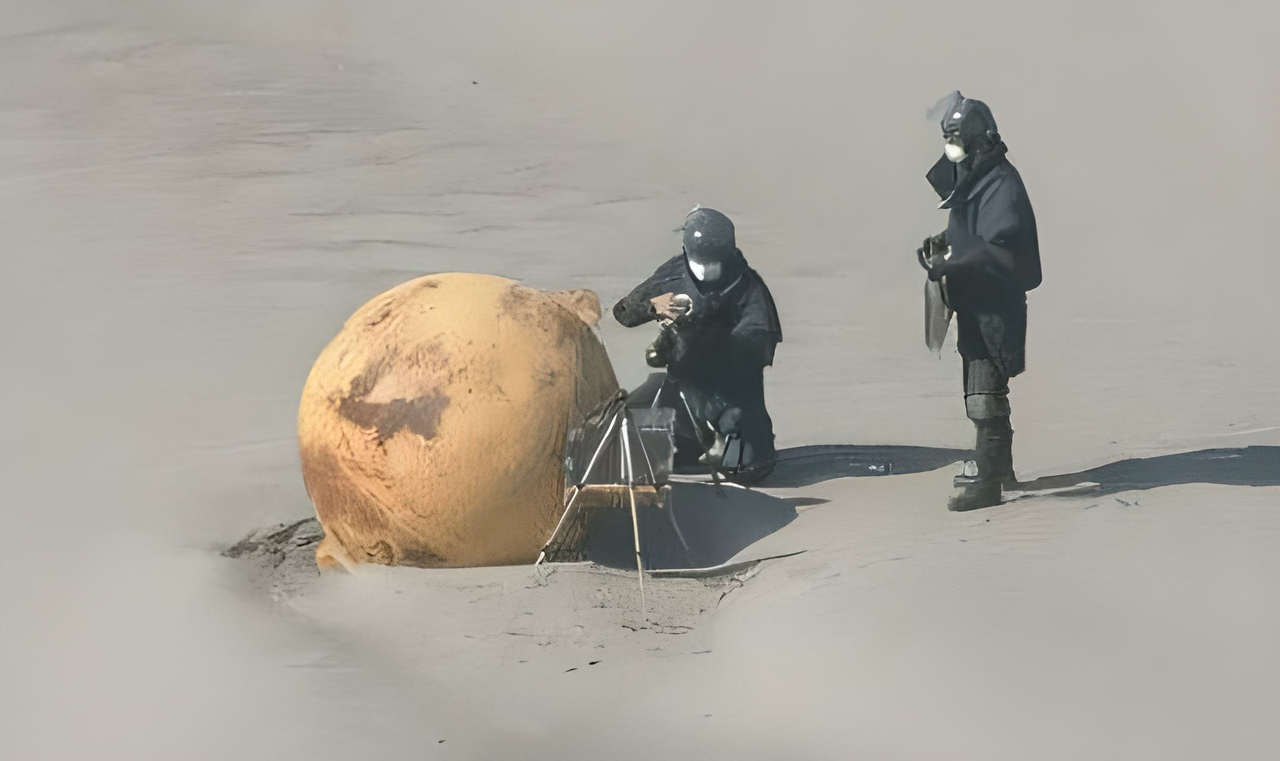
{"x": 939, "y": 270}
{"x": 932, "y": 243}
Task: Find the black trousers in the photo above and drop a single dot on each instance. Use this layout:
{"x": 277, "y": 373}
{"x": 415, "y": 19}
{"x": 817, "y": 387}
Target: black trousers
{"x": 701, "y": 413}
{"x": 986, "y": 390}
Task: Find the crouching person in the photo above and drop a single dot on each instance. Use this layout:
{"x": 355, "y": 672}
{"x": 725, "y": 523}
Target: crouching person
{"x": 719, "y": 331}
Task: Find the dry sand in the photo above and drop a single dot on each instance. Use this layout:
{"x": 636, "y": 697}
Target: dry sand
{"x": 193, "y": 196}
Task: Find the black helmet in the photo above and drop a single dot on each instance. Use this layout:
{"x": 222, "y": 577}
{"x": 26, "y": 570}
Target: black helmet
{"x": 971, "y": 121}
{"x": 709, "y": 244}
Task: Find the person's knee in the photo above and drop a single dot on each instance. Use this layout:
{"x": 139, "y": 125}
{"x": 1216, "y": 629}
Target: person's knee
{"x": 730, "y": 421}
{"x": 982, "y": 407}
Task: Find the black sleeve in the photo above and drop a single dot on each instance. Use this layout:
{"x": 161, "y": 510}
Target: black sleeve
{"x": 634, "y": 308}
{"x": 758, "y": 330}
{"x": 757, "y": 345}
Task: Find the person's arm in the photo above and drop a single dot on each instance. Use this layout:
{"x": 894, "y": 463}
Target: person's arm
{"x": 756, "y": 335}
{"x": 636, "y": 308}
{"x": 755, "y": 344}
{"x": 998, "y": 224}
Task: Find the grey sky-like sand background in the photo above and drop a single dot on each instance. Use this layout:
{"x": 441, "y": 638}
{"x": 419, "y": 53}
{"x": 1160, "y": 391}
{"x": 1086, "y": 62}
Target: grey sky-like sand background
{"x": 193, "y": 196}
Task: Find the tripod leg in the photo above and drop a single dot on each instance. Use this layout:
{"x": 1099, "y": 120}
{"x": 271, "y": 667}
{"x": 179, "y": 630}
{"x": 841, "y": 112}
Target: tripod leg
{"x": 635, "y": 519}
{"x": 577, "y": 488}
{"x": 715, "y": 474}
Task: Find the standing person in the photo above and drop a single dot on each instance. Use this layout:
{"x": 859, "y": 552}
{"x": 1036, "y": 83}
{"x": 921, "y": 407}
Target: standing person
{"x": 993, "y": 260}
{"x": 720, "y": 329}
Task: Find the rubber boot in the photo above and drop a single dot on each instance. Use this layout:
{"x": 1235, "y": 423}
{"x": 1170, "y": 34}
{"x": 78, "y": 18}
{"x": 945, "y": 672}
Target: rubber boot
{"x": 753, "y": 465}
{"x": 976, "y": 496}
{"x": 749, "y": 475}
{"x": 995, "y": 437}
{"x": 999, "y": 438}
{"x": 982, "y": 481}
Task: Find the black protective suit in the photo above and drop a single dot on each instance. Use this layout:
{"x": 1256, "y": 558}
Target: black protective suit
{"x": 994, "y": 261}
{"x": 715, "y": 357}
{"x": 995, "y": 256}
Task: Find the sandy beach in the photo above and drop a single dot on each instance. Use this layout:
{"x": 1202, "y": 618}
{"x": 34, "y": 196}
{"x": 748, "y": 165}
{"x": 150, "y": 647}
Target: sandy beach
{"x": 194, "y": 196}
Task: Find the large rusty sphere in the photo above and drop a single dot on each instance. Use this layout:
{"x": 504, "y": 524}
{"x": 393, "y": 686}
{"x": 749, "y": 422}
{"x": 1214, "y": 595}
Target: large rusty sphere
{"x": 432, "y": 428}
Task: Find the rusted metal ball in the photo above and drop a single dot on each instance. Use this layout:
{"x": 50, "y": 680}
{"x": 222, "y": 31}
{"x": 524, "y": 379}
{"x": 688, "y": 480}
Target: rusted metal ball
{"x": 432, "y": 428}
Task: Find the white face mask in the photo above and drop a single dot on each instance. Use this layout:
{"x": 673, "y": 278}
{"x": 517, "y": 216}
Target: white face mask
{"x": 705, "y": 272}
{"x": 955, "y": 152}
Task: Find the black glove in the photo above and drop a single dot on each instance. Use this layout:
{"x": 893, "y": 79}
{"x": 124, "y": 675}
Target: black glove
{"x": 939, "y": 270}
{"x": 932, "y": 243}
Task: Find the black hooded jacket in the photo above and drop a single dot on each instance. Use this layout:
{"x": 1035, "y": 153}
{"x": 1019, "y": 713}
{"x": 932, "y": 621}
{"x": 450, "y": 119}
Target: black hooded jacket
{"x": 995, "y": 255}
{"x": 728, "y": 332}
{"x": 716, "y": 360}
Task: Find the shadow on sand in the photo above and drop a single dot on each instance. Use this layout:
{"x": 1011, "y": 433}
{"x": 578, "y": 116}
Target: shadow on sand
{"x": 809, "y": 465}
{"x": 806, "y": 466}
{"x": 1248, "y": 466}
{"x": 714, "y": 525}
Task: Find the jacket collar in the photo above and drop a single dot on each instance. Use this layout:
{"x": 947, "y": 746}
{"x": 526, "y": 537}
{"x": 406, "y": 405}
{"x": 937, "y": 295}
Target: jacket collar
{"x": 955, "y": 189}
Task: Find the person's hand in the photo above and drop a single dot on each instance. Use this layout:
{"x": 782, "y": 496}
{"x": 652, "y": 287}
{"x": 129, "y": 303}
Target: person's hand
{"x": 670, "y": 307}
{"x": 938, "y": 271}
{"x": 931, "y": 245}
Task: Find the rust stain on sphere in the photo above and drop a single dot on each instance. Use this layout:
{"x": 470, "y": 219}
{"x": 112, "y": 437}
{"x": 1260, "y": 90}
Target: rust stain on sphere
{"x": 432, "y": 428}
